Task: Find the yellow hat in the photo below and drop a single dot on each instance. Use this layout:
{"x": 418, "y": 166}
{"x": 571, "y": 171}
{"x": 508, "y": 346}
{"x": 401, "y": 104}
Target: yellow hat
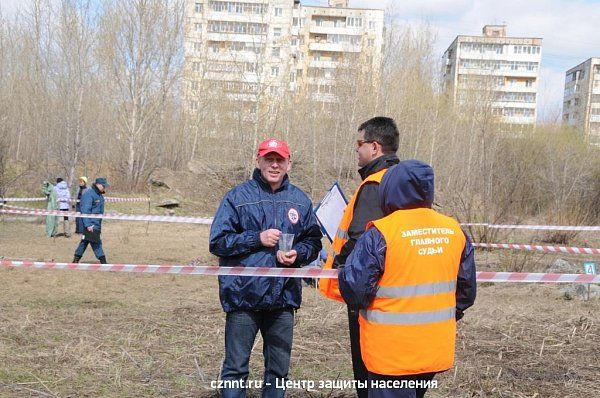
{"x": 84, "y": 179}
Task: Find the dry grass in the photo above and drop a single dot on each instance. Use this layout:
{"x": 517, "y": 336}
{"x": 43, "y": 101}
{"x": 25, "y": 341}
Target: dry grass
{"x": 83, "y": 334}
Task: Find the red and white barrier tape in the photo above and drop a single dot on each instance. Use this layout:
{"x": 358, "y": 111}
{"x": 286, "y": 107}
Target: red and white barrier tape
{"x": 128, "y": 217}
{"x": 22, "y": 200}
{"x": 208, "y": 220}
{"x": 308, "y": 272}
{"x": 547, "y": 249}
{"x": 536, "y": 277}
{"x": 536, "y": 227}
{"x": 107, "y": 198}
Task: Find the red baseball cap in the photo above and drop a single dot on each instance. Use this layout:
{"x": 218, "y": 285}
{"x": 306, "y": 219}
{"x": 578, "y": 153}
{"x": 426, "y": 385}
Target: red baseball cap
{"x": 273, "y": 145}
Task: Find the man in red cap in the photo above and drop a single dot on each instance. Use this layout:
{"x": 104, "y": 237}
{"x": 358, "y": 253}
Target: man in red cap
{"x": 245, "y": 232}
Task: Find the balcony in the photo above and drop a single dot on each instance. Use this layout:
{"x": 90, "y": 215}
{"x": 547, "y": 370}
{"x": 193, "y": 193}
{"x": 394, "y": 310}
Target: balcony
{"x": 324, "y": 64}
{"x": 335, "y": 47}
{"x": 595, "y": 118}
{"x": 323, "y": 97}
{"x": 335, "y": 30}
{"x": 497, "y": 72}
{"x": 234, "y": 56}
{"x": 322, "y": 80}
{"x": 250, "y": 38}
{"x": 226, "y": 16}
{"x": 519, "y": 119}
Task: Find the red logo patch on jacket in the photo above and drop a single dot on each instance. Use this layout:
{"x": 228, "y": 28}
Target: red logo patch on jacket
{"x": 293, "y": 216}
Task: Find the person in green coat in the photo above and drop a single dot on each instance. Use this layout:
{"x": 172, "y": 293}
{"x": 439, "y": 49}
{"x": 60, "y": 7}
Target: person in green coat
{"x": 48, "y": 190}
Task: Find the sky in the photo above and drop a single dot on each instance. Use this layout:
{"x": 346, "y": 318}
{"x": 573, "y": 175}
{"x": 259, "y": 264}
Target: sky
{"x": 570, "y": 30}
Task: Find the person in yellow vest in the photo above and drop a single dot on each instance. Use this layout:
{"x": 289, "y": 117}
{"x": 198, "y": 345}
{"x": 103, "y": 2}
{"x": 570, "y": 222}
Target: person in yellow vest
{"x": 376, "y": 146}
{"x": 412, "y": 276}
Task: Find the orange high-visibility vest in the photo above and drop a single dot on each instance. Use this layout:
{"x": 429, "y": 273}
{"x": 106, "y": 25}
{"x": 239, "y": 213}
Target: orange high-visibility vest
{"x": 329, "y": 287}
{"x": 410, "y": 326}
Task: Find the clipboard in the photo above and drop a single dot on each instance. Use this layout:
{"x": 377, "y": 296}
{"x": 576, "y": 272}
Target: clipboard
{"x": 330, "y": 211}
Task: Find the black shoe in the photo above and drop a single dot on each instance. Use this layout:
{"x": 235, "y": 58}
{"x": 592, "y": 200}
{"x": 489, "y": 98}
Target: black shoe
{"x": 102, "y": 260}
{"x": 76, "y": 258}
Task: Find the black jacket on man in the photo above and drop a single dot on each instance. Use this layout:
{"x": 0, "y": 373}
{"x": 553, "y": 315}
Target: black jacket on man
{"x": 366, "y": 207}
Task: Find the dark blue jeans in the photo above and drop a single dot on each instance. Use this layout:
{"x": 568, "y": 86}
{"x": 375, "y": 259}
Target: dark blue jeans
{"x": 277, "y": 330}
{"x": 96, "y": 247}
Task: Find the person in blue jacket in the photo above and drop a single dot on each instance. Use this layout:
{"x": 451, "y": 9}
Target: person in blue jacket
{"x": 245, "y": 232}
{"x": 92, "y": 202}
{"x": 407, "y": 185}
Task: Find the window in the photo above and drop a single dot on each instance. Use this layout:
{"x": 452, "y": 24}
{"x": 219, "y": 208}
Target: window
{"x": 250, "y": 67}
{"x": 214, "y": 48}
{"x": 317, "y": 56}
{"x": 198, "y": 27}
{"x": 277, "y": 32}
{"x": 371, "y": 42}
{"x": 278, "y": 11}
{"x": 353, "y": 22}
{"x": 196, "y": 66}
{"x": 372, "y": 24}
{"x": 198, "y": 8}
{"x": 276, "y": 52}
{"x": 274, "y": 71}
{"x": 294, "y": 42}
{"x": 295, "y": 21}
{"x": 193, "y": 105}
{"x": 292, "y": 77}
{"x": 197, "y": 46}
{"x": 194, "y": 86}
{"x": 529, "y": 83}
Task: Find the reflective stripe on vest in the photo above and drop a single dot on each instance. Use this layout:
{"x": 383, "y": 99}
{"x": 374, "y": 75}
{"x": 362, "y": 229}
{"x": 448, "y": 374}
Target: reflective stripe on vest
{"x": 329, "y": 287}
{"x": 409, "y": 318}
{"x": 416, "y": 290}
{"x": 409, "y": 327}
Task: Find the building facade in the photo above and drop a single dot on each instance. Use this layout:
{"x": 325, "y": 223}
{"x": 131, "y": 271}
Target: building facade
{"x": 496, "y": 70}
{"x": 252, "y": 49}
{"x": 581, "y": 106}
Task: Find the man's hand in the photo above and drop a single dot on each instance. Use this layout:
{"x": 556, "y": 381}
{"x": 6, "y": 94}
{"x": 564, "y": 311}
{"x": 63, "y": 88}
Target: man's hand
{"x": 270, "y": 237}
{"x": 287, "y": 258}
{"x": 90, "y": 228}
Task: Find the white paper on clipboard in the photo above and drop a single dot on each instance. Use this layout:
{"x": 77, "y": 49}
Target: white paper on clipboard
{"x": 331, "y": 210}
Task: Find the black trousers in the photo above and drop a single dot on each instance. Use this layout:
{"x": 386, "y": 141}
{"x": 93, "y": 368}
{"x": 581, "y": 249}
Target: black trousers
{"x": 358, "y": 366}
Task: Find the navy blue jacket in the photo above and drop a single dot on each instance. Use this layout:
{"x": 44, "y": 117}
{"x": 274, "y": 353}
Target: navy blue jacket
{"x": 407, "y": 185}
{"x": 246, "y": 211}
{"x": 92, "y": 202}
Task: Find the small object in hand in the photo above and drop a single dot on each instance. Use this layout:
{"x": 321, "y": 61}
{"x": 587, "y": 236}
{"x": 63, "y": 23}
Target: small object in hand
{"x": 286, "y": 242}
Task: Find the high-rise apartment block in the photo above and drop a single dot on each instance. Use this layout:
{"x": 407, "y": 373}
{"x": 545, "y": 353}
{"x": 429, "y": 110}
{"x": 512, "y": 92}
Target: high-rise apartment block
{"x": 581, "y": 106}
{"x": 248, "y": 49}
{"x": 499, "y": 70}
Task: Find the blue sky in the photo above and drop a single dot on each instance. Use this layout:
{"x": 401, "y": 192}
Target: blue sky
{"x": 570, "y": 29}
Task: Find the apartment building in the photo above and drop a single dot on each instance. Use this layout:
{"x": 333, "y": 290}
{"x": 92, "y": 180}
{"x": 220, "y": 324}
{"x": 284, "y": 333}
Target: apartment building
{"x": 252, "y": 49}
{"x": 581, "y": 106}
{"x": 335, "y": 43}
{"x": 497, "y": 70}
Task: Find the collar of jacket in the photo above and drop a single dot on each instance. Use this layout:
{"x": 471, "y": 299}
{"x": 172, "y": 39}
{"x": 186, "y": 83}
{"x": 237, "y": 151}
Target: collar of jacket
{"x": 256, "y": 176}
{"x": 95, "y": 188}
{"x": 380, "y": 163}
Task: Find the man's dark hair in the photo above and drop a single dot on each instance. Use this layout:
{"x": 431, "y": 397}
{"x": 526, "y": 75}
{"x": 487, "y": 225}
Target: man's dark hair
{"x": 59, "y": 180}
{"x": 383, "y": 130}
